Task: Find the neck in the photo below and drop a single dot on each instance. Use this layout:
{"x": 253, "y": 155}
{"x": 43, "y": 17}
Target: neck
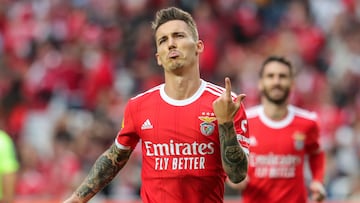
{"x": 179, "y": 87}
{"x": 275, "y": 111}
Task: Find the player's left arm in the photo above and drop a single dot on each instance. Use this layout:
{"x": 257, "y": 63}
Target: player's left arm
{"x": 234, "y": 158}
{"x": 317, "y": 166}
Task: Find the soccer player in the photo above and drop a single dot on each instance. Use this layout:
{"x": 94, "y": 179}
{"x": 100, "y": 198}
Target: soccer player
{"x": 193, "y": 133}
{"x": 8, "y": 168}
{"x": 281, "y": 136}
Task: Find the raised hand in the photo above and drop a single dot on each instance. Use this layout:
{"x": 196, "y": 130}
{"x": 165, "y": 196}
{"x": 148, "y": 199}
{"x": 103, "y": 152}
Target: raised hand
{"x": 225, "y": 107}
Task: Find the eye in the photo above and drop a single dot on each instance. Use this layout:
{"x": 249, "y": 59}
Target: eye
{"x": 283, "y": 76}
{"x": 269, "y": 75}
{"x": 161, "y": 40}
{"x": 180, "y": 35}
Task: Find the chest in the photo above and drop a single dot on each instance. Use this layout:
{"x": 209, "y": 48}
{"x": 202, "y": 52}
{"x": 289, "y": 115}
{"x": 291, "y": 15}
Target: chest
{"x": 161, "y": 122}
{"x": 291, "y": 139}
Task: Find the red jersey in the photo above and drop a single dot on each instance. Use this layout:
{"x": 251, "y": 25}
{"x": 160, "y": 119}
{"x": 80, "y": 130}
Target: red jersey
{"x": 181, "y": 159}
{"x": 278, "y": 149}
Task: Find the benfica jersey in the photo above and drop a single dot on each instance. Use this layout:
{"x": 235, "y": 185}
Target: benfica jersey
{"x": 278, "y": 149}
{"x": 181, "y": 159}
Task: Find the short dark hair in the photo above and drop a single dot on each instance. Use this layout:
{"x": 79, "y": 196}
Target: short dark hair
{"x": 279, "y": 59}
{"x": 173, "y": 13}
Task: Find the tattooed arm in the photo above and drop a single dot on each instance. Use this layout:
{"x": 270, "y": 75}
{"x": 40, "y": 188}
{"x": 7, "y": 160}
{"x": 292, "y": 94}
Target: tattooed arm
{"x": 234, "y": 159}
{"x": 103, "y": 171}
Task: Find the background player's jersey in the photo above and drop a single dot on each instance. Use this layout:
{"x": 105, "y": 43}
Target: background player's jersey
{"x": 277, "y": 155}
{"x": 180, "y": 143}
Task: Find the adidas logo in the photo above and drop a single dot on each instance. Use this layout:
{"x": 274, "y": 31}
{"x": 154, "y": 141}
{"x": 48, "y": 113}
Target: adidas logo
{"x": 146, "y": 125}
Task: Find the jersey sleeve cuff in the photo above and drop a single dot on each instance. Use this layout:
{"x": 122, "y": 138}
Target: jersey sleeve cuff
{"x": 120, "y": 146}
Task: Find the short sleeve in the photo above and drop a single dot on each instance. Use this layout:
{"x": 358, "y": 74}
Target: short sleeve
{"x": 242, "y": 129}
{"x": 313, "y": 138}
{"x": 8, "y": 160}
{"x": 127, "y": 137}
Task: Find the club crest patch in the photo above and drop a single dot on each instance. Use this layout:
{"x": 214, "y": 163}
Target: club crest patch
{"x": 207, "y": 126}
{"x": 299, "y": 139}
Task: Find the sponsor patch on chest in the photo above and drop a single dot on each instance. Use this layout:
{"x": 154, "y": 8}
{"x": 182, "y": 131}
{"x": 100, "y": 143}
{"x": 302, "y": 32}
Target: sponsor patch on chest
{"x": 299, "y": 139}
{"x": 207, "y": 126}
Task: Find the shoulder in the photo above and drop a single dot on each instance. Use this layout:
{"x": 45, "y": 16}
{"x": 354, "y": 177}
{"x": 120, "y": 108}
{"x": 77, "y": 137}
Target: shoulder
{"x": 4, "y": 137}
{"x": 304, "y": 113}
{"x": 253, "y": 111}
{"x": 146, "y": 94}
{"x": 216, "y": 89}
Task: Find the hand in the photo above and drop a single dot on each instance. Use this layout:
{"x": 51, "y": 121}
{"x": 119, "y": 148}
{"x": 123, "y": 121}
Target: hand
{"x": 317, "y": 190}
{"x": 224, "y": 106}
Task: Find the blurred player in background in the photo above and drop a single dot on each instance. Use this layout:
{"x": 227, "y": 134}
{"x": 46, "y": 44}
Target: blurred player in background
{"x": 8, "y": 168}
{"x": 281, "y": 136}
{"x": 193, "y": 133}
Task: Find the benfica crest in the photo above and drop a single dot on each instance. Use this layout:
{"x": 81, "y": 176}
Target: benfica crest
{"x": 299, "y": 139}
{"x": 207, "y": 126}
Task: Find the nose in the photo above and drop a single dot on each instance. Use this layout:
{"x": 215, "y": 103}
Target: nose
{"x": 274, "y": 79}
{"x": 171, "y": 43}
{"x": 277, "y": 78}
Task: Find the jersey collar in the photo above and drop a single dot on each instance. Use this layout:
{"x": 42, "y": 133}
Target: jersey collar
{"x": 183, "y": 102}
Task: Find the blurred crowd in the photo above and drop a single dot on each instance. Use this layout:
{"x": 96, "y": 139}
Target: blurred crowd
{"x": 68, "y": 67}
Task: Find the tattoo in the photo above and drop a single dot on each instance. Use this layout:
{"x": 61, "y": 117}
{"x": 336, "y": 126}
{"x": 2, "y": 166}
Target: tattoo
{"x": 103, "y": 171}
{"x": 234, "y": 159}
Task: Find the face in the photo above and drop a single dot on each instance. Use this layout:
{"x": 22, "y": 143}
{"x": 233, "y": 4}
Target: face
{"x": 276, "y": 82}
{"x": 176, "y": 47}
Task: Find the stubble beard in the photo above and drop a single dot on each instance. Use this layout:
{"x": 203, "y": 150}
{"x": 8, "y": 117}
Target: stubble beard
{"x": 175, "y": 65}
{"x": 277, "y": 101}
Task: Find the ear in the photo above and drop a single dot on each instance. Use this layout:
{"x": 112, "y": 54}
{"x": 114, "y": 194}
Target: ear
{"x": 200, "y": 46}
{"x": 158, "y": 59}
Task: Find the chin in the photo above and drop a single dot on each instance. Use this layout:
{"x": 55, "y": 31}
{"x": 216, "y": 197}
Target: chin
{"x": 278, "y": 101}
{"x": 175, "y": 66}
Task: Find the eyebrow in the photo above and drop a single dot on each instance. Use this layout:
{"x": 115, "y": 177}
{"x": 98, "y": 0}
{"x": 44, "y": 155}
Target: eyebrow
{"x": 161, "y": 38}
{"x": 172, "y": 34}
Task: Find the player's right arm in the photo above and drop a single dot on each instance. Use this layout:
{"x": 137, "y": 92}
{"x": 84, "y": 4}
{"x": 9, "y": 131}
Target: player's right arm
{"x": 234, "y": 158}
{"x": 103, "y": 171}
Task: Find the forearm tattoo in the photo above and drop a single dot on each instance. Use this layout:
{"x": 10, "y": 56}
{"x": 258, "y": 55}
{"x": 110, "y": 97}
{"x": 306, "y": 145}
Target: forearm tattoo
{"x": 234, "y": 159}
{"x": 104, "y": 170}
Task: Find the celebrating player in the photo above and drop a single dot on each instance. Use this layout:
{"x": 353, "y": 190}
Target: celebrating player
{"x": 281, "y": 135}
{"x": 193, "y": 133}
